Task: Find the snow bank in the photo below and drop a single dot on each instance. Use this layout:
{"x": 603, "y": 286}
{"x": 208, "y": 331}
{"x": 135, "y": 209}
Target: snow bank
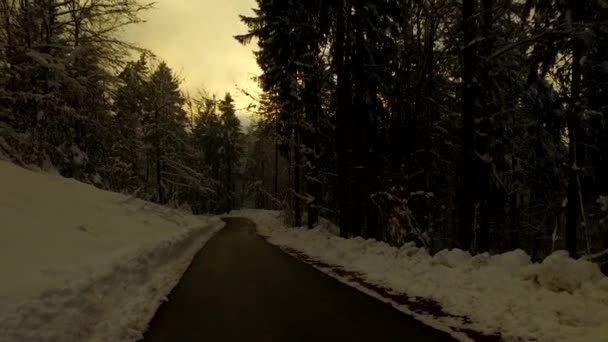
{"x": 560, "y": 299}
{"x": 81, "y": 264}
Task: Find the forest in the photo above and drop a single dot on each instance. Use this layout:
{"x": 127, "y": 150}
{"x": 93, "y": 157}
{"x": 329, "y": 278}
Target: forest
{"x": 472, "y": 124}
{"x": 74, "y": 100}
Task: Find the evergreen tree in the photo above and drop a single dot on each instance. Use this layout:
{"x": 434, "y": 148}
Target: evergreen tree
{"x": 441, "y": 122}
{"x": 291, "y": 34}
{"x": 57, "y": 58}
{"x": 164, "y": 130}
{"x": 230, "y": 149}
{"x": 129, "y": 104}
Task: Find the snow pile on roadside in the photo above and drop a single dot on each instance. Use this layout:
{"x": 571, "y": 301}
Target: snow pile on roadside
{"x": 560, "y": 299}
{"x": 81, "y": 264}
{"x": 269, "y": 219}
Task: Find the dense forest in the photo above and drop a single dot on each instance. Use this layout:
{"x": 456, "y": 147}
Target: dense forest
{"x": 73, "y": 100}
{"x": 476, "y": 124}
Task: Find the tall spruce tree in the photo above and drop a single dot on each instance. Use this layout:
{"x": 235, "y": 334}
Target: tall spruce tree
{"x": 231, "y": 134}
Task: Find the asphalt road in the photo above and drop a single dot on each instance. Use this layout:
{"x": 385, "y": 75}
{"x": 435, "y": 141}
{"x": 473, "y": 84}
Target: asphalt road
{"x": 240, "y": 288}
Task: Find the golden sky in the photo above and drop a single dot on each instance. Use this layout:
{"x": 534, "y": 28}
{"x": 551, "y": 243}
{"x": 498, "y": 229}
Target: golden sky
{"x": 194, "y": 37}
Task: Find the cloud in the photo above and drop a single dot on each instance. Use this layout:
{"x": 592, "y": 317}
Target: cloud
{"x": 195, "y": 38}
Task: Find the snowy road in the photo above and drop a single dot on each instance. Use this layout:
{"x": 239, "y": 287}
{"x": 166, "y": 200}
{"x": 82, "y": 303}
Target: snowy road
{"x": 239, "y": 288}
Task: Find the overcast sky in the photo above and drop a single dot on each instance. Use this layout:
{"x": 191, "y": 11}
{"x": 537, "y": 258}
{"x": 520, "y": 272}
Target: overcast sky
{"x": 195, "y": 38}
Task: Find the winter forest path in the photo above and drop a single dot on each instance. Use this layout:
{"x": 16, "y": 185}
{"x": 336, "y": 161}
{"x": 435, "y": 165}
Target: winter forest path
{"x": 240, "y": 288}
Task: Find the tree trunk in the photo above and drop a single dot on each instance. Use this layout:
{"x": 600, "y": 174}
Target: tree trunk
{"x": 424, "y": 108}
{"x": 360, "y": 190}
{"x": 312, "y": 181}
{"x": 275, "y": 205}
{"x": 341, "y": 60}
{"x": 157, "y": 157}
{"x": 469, "y": 97}
{"x": 297, "y": 179}
{"x": 573, "y": 206}
{"x": 230, "y": 187}
{"x": 263, "y": 199}
{"x": 483, "y": 146}
{"x": 313, "y": 110}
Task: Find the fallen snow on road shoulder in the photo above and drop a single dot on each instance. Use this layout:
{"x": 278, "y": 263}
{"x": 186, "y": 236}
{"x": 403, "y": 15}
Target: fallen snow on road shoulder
{"x": 82, "y": 264}
{"x": 560, "y": 299}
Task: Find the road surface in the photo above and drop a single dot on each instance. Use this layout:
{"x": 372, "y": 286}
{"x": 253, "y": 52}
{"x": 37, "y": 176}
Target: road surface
{"x": 240, "y": 288}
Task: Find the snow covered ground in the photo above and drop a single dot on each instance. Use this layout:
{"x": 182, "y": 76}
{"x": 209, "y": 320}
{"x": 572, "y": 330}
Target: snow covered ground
{"x": 560, "y": 299}
{"x": 81, "y": 264}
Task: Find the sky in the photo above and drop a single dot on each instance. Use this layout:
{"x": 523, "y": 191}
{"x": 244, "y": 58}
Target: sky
{"x": 195, "y": 38}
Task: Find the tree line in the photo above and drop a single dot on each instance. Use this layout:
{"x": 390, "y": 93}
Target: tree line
{"x": 73, "y": 100}
{"x": 477, "y": 124}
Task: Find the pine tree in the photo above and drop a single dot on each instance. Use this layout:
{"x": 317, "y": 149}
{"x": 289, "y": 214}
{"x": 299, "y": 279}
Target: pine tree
{"x": 230, "y": 131}
{"x": 129, "y": 103}
{"x": 164, "y": 129}
{"x": 293, "y": 74}
{"x": 369, "y": 108}
{"x": 208, "y": 144}
{"x": 56, "y": 77}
